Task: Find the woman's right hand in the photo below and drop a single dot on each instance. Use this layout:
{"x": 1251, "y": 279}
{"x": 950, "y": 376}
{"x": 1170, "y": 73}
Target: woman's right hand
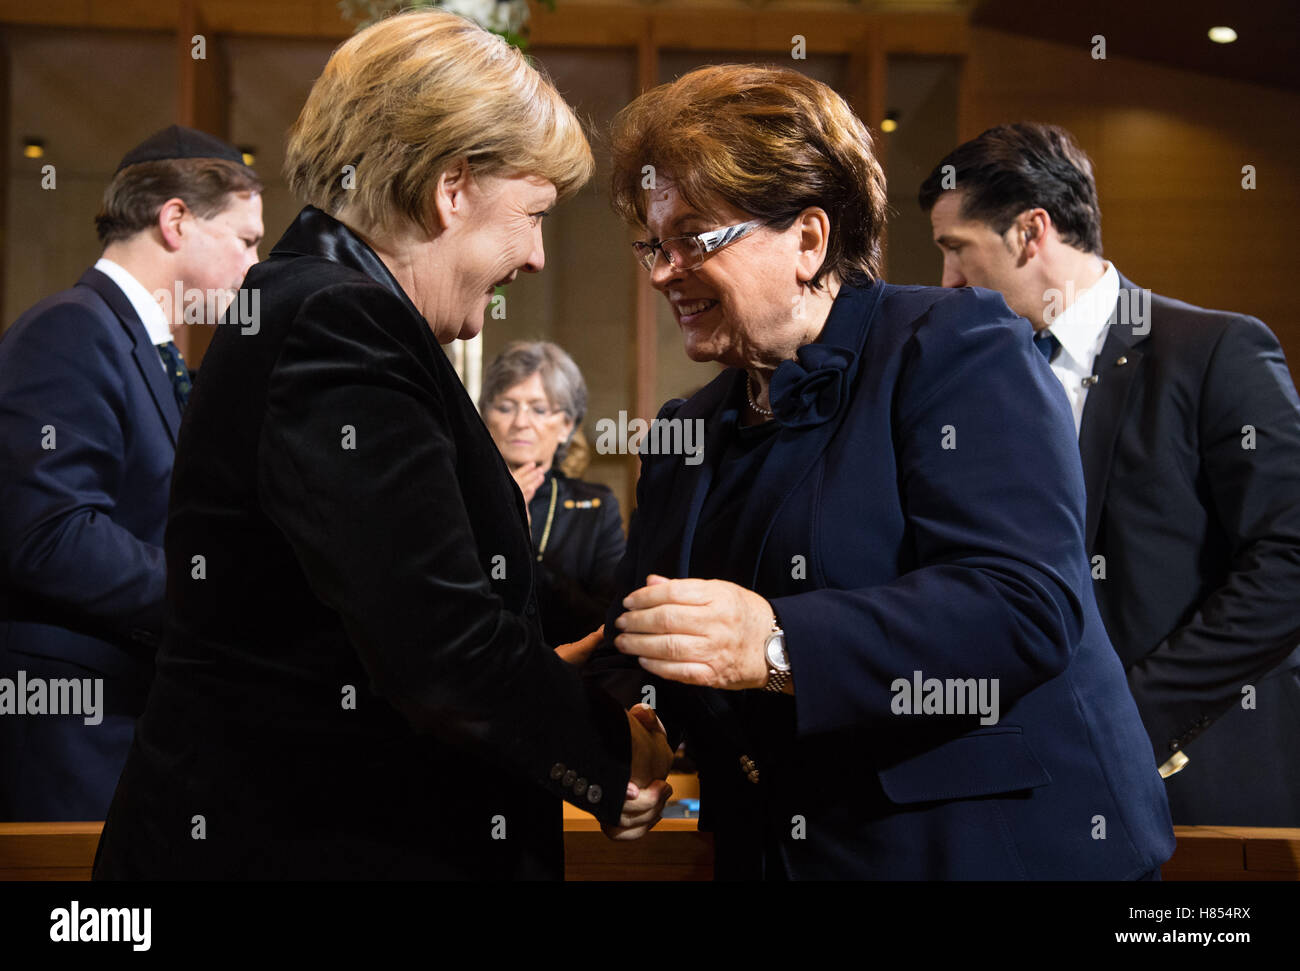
{"x": 529, "y": 478}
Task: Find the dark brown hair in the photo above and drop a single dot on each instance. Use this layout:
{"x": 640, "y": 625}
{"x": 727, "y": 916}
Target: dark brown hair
{"x": 768, "y": 141}
{"x": 137, "y": 193}
{"x": 1012, "y": 168}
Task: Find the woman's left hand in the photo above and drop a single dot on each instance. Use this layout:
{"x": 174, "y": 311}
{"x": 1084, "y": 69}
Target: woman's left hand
{"x": 703, "y": 632}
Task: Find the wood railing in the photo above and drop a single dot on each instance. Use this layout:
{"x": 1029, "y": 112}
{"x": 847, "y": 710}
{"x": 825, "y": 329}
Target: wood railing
{"x": 677, "y": 850}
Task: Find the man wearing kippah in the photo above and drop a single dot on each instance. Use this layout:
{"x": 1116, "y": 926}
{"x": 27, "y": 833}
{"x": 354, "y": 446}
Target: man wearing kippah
{"x": 92, "y": 388}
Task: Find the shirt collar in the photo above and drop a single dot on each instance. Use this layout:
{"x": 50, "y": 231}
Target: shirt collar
{"x": 1080, "y": 326}
{"x": 142, "y": 302}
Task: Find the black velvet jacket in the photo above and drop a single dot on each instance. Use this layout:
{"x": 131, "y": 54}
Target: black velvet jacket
{"x": 354, "y": 683}
{"x": 575, "y": 575}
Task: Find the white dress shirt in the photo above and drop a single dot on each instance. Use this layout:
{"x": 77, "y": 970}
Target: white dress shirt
{"x": 146, "y": 307}
{"x": 1081, "y": 330}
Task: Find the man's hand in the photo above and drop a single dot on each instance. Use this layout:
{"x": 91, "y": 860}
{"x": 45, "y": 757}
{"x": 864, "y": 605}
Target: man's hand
{"x": 647, "y": 792}
{"x": 578, "y": 652}
{"x": 703, "y": 632}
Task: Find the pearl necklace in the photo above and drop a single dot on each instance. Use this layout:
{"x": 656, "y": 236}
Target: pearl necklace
{"x": 749, "y": 393}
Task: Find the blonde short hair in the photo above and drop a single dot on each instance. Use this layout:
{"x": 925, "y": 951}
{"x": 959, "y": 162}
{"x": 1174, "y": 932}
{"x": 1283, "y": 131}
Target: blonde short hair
{"x": 405, "y": 98}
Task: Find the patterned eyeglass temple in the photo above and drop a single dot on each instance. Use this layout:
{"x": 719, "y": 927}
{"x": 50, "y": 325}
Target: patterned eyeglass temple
{"x": 711, "y": 242}
{"x": 692, "y": 249}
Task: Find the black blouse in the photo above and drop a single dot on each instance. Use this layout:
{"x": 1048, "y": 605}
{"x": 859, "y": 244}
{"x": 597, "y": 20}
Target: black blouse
{"x": 739, "y": 465}
{"x": 575, "y": 576}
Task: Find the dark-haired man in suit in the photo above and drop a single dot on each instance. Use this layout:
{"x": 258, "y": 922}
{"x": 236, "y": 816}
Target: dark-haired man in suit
{"x": 91, "y": 392}
{"x": 1189, "y": 430}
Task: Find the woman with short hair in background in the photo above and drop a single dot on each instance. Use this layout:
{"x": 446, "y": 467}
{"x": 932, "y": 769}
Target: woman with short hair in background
{"x": 533, "y": 402}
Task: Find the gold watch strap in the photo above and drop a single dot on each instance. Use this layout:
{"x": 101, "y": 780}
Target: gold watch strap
{"x": 1173, "y": 765}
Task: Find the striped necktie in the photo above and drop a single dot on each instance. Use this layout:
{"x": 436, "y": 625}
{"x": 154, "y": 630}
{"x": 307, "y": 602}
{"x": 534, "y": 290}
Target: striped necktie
{"x": 176, "y": 371}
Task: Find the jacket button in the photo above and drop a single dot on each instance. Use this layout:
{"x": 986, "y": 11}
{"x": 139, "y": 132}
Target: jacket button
{"x": 557, "y": 770}
{"x": 568, "y": 778}
{"x": 593, "y": 794}
{"x": 580, "y": 787}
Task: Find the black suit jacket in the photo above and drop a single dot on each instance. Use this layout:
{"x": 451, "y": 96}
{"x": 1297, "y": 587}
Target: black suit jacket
{"x": 575, "y": 576}
{"x": 1191, "y": 452}
{"x": 88, "y": 423}
{"x": 355, "y": 682}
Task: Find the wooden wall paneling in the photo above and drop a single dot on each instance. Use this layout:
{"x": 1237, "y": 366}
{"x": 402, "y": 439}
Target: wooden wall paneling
{"x": 203, "y": 102}
{"x": 1168, "y": 147}
{"x": 645, "y": 364}
{"x": 4, "y": 162}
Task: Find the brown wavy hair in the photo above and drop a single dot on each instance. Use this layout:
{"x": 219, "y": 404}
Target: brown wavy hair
{"x": 768, "y": 141}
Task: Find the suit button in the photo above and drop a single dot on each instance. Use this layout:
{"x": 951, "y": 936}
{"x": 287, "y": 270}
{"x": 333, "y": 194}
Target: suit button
{"x": 580, "y": 787}
{"x": 530, "y": 610}
{"x": 568, "y": 778}
{"x": 1121, "y": 361}
{"x": 557, "y": 770}
{"x": 593, "y": 794}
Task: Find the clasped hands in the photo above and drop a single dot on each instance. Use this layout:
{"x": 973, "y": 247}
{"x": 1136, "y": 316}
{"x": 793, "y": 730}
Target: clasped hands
{"x": 647, "y": 789}
{"x": 700, "y": 632}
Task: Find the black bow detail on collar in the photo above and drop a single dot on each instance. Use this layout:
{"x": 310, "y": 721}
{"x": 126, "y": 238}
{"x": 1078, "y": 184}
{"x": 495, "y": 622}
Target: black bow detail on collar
{"x": 810, "y": 390}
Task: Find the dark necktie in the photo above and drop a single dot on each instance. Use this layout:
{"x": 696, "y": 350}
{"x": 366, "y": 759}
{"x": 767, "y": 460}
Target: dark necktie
{"x": 1047, "y": 344}
{"x": 176, "y": 371}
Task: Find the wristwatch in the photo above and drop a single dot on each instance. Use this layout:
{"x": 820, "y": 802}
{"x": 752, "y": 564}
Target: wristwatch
{"x": 778, "y": 662}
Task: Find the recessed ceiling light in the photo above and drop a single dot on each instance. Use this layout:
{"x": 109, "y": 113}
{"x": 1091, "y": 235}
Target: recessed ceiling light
{"x": 33, "y": 148}
{"x": 1222, "y": 35}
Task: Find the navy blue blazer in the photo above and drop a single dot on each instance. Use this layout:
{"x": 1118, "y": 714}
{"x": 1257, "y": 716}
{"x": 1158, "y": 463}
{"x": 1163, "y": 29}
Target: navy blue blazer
{"x": 88, "y": 424}
{"x": 922, "y": 510}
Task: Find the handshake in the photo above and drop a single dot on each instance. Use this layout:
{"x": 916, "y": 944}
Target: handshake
{"x": 647, "y": 789}
{"x": 652, "y": 757}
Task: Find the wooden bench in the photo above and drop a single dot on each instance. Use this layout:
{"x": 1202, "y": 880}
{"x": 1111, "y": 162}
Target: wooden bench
{"x": 676, "y": 850}
{"x": 48, "y": 851}
{"x": 1234, "y": 853}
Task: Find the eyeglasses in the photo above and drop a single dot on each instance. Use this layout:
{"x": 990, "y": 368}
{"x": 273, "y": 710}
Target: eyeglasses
{"x": 688, "y": 252}
{"x": 508, "y": 409}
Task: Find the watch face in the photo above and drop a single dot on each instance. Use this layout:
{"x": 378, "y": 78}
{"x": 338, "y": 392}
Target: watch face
{"x": 776, "y": 655}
